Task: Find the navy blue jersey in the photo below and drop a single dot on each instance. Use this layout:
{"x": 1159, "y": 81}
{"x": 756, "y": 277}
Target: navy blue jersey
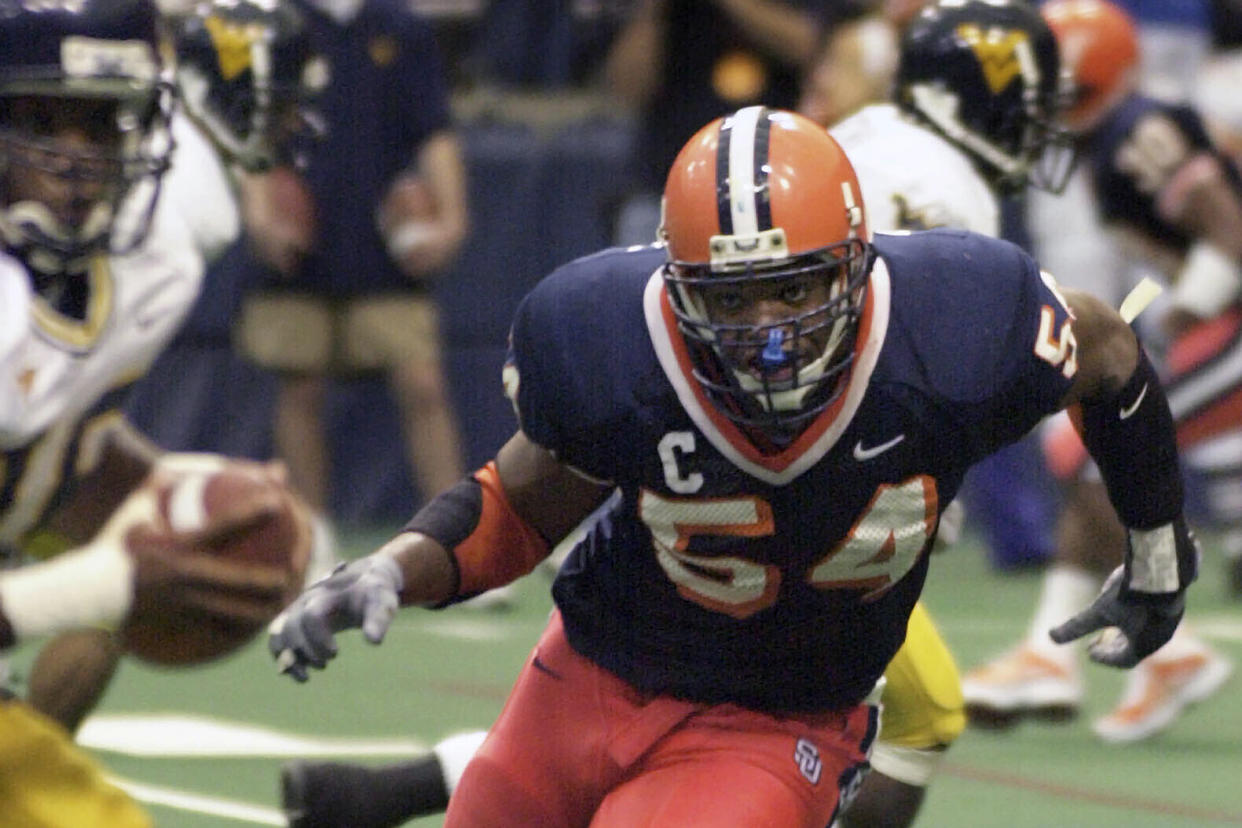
{"x": 1136, "y": 152}
{"x": 777, "y": 581}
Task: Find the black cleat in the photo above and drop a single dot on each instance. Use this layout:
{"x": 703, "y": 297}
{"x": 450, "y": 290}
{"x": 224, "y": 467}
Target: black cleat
{"x": 320, "y": 795}
{"x": 342, "y": 795}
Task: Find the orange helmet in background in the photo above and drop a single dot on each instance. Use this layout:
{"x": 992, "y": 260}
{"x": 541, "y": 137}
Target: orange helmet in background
{"x": 1099, "y": 50}
{"x": 760, "y": 196}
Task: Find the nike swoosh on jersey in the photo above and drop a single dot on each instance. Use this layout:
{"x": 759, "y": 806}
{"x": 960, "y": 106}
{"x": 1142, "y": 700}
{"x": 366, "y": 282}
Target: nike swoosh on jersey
{"x": 861, "y": 453}
{"x": 1129, "y": 410}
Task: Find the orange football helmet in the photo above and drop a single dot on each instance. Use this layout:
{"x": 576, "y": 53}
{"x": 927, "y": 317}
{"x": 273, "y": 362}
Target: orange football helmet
{"x": 1099, "y": 50}
{"x": 766, "y": 196}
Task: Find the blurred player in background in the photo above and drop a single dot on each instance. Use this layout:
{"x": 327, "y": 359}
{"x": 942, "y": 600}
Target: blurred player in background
{"x": 247, "y": 79}
{"x": 1174, "y": 201}
{"x": 97, "y": 274}
{"x": 785, "y": 421}
{"x": 245, "y": 75}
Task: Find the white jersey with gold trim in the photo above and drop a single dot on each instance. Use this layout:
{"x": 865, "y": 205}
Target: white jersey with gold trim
{"x": 63, "y": 365}
{"x": 911, "y": 178}
{"x": 199, "y": 186}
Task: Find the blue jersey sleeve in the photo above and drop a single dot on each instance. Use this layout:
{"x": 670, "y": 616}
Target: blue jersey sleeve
{"x": 986, "y": 335}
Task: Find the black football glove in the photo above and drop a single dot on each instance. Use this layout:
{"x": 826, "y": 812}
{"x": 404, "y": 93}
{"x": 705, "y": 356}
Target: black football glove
{"x": 362, "y": 593}
{"x": 1139, "y": 627}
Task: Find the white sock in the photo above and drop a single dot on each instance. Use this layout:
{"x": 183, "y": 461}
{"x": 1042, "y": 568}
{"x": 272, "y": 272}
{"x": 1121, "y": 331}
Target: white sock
{"x": 1066, "y": 591}
{"x": 455, "y": 753}
{"x": 323, "y": 555}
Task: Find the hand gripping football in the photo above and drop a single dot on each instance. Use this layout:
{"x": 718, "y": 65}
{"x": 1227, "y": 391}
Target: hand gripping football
{"x": 224, "y": 550}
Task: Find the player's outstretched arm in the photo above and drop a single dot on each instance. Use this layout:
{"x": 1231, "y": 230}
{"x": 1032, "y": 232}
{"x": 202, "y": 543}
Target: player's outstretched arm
{"x": 1127, "y": 426}
{"x": 486, "y": 531}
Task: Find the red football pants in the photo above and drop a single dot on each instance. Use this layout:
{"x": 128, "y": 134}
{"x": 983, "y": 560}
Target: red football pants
{"x": 577, "y": 746}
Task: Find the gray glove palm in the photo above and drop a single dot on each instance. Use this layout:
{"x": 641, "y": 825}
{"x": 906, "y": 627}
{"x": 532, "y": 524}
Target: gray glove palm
{"x": 362, "y": 593}
{"x": 1138, "y": 628}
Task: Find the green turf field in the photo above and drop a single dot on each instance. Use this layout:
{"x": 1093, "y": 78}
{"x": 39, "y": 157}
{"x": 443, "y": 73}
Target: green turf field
{"x": 202, "y": 746}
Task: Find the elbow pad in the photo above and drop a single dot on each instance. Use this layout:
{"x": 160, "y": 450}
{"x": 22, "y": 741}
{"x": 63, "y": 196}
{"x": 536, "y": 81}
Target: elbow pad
{"x": 490, "y": 544}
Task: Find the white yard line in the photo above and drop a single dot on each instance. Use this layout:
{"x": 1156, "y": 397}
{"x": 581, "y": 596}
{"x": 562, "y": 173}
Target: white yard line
{"x": 177, "y": 735}
{"x": 187, "y": 735}
{"x": 1217, "y": 627}
{"x": 200, "y": 804}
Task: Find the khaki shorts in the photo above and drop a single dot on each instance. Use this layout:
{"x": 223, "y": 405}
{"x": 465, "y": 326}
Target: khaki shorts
{"x": 304, "y": 333}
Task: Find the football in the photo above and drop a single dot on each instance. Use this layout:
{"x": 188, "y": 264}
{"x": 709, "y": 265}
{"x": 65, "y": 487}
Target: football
{"x": 236, "y": 512}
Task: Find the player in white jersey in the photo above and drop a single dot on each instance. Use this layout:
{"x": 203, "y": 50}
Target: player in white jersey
{"x": 80, "y": 349}
{"x": 96, "y": 273}
{"x": 944, "y": 189}
{"x": 244, "y": 75}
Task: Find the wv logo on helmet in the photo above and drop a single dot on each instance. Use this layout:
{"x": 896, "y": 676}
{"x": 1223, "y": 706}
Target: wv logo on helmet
{"x": 1001, "y": 53}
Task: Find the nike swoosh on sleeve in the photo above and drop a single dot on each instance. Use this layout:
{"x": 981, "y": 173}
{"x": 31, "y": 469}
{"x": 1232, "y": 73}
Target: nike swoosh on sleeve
{"x": 1127, "y": 411}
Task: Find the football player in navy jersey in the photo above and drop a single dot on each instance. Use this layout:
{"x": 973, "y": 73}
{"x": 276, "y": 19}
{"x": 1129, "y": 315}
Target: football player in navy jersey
{"x": 1176, "y": 201}
{"x": 784, "y": 419}
{"x": 992, "y": 137}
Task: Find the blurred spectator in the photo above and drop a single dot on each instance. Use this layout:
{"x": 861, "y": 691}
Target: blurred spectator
{"x": 350, "y": 248}
{"x": 727, "y": 54}
{"x": 854, "y": 67}
{"x": 544, "y": 44}
{"x": 1226, "y": 24}
{"x": 457, "y": 24}
{"x": 1217, "y": 83}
